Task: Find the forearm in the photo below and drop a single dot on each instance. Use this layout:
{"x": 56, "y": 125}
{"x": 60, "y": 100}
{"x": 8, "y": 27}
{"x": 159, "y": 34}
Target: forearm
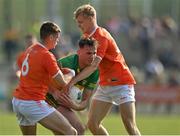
{"x": 59, "y": 80}
{"x": 83, "y": 74}
{"x": 80, "y": 106}
{"x": 85, "y": 100}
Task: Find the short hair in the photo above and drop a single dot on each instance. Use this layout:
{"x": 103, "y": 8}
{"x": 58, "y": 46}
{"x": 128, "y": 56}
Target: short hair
{"x": 87, "y": 42}
{"x": 48, "y": 28}
{"x": 86, "y": 10}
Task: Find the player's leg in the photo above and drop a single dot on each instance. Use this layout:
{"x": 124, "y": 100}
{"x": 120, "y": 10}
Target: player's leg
{"x": 128, "y": 114}
{"x": 98, "y": 110}
{"x": 28, "y": 130}
{"x": 26, "y": 126}
{"x": 73, "y": 119}
{"x": 125, "y": 97}
{"x": 58, "y": 124}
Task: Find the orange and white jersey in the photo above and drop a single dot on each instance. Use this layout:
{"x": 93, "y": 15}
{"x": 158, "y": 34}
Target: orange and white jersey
{"x": 38, "y": 66}
{"x": 113, "y": 68}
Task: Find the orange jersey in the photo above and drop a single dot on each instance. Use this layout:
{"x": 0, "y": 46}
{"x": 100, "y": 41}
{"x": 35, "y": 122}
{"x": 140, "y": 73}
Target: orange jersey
{"x": 19, "y": 59}
{"x": 113, "y": 68}
{"x": 37, "y": 66}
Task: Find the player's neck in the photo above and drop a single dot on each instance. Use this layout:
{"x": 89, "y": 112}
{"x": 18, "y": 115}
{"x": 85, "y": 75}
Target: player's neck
{"x": 92, "y": 30}
{"x": 45, "y": 44}
{"x": 81, "y": 64}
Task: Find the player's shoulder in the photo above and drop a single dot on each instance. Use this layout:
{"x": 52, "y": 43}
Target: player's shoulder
{"x": 20, "y": 54}
{"x": 103, "y": 34}
{"x": 70, "y": 57}
{"x": 43, "y": 52}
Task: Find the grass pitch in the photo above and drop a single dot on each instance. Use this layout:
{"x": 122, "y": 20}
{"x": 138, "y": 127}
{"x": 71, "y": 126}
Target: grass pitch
{"x": 148, "y": 125}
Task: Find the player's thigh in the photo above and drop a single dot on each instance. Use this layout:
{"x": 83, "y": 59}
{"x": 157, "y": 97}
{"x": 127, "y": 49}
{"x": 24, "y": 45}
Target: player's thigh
{"x": 98, "y": 110}
{"x": 71, "y": 117}
{"x": 127, "y": 111}
{"x": 56, "y": 122}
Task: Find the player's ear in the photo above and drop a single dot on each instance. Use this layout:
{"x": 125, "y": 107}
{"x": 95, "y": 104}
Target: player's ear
{"x": 51, "y": 37}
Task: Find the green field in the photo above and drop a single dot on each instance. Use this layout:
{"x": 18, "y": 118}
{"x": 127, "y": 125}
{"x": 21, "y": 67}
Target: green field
{"x": 148, "y": 125}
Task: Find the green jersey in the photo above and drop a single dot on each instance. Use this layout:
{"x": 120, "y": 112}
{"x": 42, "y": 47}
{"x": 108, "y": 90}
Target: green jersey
{"x": 72, "y": 62}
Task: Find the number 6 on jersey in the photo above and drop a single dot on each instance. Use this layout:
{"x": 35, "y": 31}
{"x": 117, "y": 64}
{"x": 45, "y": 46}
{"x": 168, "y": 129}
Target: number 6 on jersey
{"x": 25, "y": 66}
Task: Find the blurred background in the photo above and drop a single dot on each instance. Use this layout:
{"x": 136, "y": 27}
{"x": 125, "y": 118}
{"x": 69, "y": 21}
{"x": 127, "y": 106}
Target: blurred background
{"x": 147, "y": 33}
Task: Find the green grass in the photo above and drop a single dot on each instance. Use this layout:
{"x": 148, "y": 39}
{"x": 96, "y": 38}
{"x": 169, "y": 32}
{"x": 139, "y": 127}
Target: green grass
{"x": 148, "y": 125}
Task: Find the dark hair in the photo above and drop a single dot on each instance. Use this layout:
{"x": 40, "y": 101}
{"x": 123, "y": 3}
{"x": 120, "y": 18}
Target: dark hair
{"x": 87, "y": 41}
{"x": 48, "y": 28}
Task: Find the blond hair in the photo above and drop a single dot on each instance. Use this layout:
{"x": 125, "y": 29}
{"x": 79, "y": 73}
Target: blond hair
{"x": 85, "y": 10}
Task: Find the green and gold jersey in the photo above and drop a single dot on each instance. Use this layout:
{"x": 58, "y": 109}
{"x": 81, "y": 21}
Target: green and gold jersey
{"x": 72, "y": 62}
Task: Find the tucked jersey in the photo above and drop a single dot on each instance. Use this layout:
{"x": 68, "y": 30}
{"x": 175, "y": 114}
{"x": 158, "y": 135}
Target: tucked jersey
{"x": 113, "y": 69}
{"x": 37, "y": 66}
{"x": 71, "y": 62}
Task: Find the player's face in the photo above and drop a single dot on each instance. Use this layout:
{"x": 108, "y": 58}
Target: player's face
{"x": 87, "y": 55}
{"x": 84, "y": 23}
{"x": 54, "y": 39}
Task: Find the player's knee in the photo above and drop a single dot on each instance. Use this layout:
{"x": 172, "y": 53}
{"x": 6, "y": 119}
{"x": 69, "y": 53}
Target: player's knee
{"x": 80, "y": 130}
{"x": 71, "y": 131}
{"x": 79, "y": 127}
{"x": 92, "y": 125}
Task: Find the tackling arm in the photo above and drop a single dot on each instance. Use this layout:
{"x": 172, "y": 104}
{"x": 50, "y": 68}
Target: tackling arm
{"x": 86, "y": 72}
{"x": 85, "y": 100}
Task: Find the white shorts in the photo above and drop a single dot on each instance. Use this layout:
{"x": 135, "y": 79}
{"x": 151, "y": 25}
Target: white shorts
{"x": 115, "y": 94}
{"x": 29, "y": 112}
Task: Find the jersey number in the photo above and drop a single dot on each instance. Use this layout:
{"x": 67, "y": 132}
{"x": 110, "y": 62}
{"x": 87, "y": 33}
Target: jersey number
{"x": 25, "y": 66}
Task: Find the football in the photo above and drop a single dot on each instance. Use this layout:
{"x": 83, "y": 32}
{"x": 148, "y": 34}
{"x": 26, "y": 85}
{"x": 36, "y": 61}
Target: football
{"x": 75, "y": 94}
{"x": 68, "y": 74}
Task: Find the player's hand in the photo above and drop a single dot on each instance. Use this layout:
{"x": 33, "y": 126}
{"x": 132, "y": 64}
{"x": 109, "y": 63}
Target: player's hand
{"x": 68, "y": 87}
{"x": 57, "y": 94}
{"x": 65, "y": 100}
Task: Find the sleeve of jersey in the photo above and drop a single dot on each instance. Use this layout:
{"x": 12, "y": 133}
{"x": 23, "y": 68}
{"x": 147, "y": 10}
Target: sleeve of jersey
{"x": 61, "y": 62}
{"x": 102, "y": 47}
{"x": 50, "y": 64}
{"x": 19, "y": 60}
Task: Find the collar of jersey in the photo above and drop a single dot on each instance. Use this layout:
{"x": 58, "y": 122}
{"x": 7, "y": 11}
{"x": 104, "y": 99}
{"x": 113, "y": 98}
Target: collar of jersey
{"x": 93, "y": 31}
{"x": 41, "y": 45}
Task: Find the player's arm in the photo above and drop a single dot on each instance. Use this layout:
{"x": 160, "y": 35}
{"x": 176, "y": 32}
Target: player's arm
{"x": 59, "y": 80}
{"x": 86, "y": 72}
{"x": 50, "y": 64}
{"x": 68, "y": 73}
{"x": 18, "y": 64}
{"x": 67, "y": 76}
{"x": 85, "y": 100}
